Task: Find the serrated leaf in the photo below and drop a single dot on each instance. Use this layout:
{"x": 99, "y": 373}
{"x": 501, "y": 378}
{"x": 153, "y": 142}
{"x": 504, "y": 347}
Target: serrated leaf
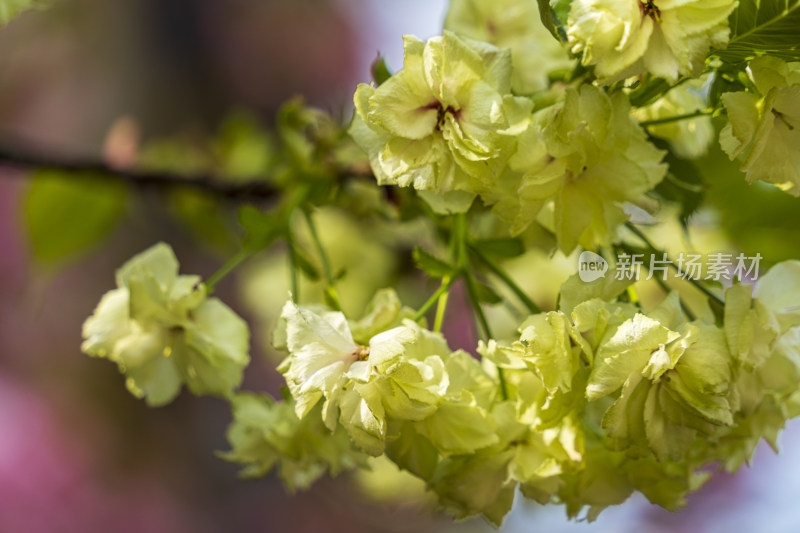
{"x": 504, "y": 248}
{"x": 761, "y": 27}
{"x": 66, "y": 213}
{"x": 434, "y": 267}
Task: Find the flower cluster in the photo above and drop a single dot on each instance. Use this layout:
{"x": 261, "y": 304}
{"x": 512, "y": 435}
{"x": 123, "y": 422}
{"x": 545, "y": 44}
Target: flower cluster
{"x": 447, "y": 126}
{"x": 583, "y": 405}
{"x": 599, "y": 399}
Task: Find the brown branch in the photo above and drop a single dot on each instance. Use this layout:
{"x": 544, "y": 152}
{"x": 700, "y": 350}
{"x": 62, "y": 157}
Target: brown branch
{"x": 27, "y": 159}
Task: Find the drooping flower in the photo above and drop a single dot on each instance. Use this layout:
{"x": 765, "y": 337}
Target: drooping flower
{"x": 763, "y": 129}
{"x": 667, "y": 38}
{"x": 266, "y": 434}
{"x": 163, "y": 331}
{"x": 445, "y": 124}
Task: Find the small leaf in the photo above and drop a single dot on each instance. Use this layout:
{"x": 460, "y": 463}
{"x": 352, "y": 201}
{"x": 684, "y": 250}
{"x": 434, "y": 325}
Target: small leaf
{"x": 648, "y": 91}
{"x": 204, "y": 217}
{"x": 435, "y": 268}
{"x": 554, "y": 15}
{"x": 503, "y": 248}
{"x": 66, "y": 213}
{"x": 260, "y": 228}
{"x": 487, "y": 294}
{"x": 380, "y": 71}
{"x": 305, "y": 265}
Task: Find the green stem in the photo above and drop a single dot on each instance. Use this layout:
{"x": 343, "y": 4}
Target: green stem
{"x": 507, "y": 279}
{"x": 295, "y": 285}
{"x": 472, "y": 293}
{"x": 668, "y": 120}
{"x": 441, "y": 307}
{"x": 668, "y": 289}
{"x": 672, "y": 265}
{"x": 330, "y": 290}
{"x": 229, "y": 266}
{"x": 461, "y": 235}
{"x": 443, "y": 288}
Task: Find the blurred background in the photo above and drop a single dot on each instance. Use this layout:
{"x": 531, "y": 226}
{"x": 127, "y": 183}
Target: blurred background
{"x": 77, "y": 452}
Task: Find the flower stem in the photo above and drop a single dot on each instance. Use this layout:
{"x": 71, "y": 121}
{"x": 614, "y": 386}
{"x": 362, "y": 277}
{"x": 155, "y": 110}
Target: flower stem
{"x": 330, "y": 290}
{"x": 507, "y": 279}
{"x": 443, "y": 289}
{"x": 472, "y": 293}
{"x": 675, "y": 267}
{"x": 229, "y": 266}
{"x": 440, "y": 311}
{"x": 295, "y": 285}
{"x": 677, "y": 118}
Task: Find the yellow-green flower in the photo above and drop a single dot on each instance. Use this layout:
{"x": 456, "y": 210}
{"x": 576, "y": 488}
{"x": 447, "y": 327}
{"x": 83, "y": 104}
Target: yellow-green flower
{"x": 763, "y": 129}
{"x": 445, "y": 124}
{"x": 163, "y": 331}
{"x": 668, "y": 38}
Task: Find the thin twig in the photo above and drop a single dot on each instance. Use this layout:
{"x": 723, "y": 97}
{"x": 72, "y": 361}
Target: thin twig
{"x": 30, "y": 158}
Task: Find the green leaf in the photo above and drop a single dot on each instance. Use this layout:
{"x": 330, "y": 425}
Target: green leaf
{"x": 304, "y": 263}
{"x": 501, "y": 248}
{"x": 260, "y": 228}
{"x": 554, "y": 15}
{"x": 761, "y": 27}
{"x": 204, "y": 217}
{"x": 380, "y": 71}
{"x": 67, "y": 213}
{"x": 487, "y": 294}
{"x": 648, "y": 91}
{"x": 434, "y": 267}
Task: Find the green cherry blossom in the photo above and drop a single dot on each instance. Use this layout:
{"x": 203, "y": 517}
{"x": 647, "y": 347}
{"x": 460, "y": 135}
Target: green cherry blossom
{"x": 445, "y": 124}
{"x": 163, "y": 331}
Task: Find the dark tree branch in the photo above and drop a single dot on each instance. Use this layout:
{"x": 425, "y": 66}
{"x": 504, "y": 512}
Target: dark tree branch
{"x": 27, "y": 159}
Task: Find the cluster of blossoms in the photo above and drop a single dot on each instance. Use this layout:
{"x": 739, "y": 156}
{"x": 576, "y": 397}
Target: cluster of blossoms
{"x": 599, "y": 399}
{"x": 589, "y": 402}
{"x": 572, "y": 156}
{"x": 449, "y": 126}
